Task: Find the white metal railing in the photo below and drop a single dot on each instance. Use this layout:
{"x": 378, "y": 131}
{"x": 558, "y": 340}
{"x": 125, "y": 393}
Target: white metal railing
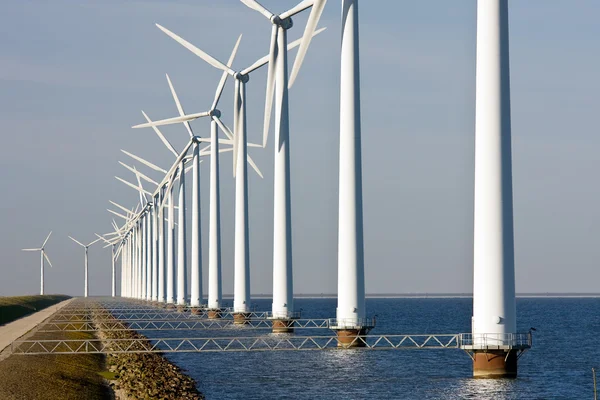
{"x": 495, "y": 340}
{"x": 352, "y": 323}
{"x": 235, "y": 344}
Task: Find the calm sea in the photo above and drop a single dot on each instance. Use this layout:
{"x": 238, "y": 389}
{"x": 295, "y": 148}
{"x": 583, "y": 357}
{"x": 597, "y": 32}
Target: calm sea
{"x": 566, "y": 347}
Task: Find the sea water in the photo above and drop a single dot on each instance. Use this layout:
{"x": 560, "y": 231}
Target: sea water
{"x": 559, "y": 366}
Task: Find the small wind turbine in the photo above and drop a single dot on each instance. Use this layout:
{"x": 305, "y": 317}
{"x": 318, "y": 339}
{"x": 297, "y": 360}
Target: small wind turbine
{"x": 43, "y": 255}
{"x": 86, "y": 287}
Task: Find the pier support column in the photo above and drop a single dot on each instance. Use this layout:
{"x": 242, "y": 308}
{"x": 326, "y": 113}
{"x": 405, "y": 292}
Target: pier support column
{"x": 495, "y": 364}
{"x": 214, "y": 314}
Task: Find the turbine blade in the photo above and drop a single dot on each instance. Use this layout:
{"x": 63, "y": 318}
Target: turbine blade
{"x": 76, "y": 241}
{"x": 179, "y": 108}
{"x": 46, "y": 241}
{"x": 225, "y": 75}
{"x": 237, "y": 104}
{"x": 311, "y": 25}
{"x": 174, "y": 120}
{"x": 118, "y": 215}
{"x": 142, "y": 194}
{"x": 223, "y": 127}
{"x": 135, "y": 171}
{"x": 47, "y": 259}
{"x": 255, "y": 5}
{"x": 95, "y": 241}
{"x": 253, "y": 165}
{"x": 31, "y": 249}
{"x": 161, "y": 136}
{"x": 263, "y": 61}
{"x": 121, "y": 207}
{"x": 297, "y": 9}
{"x": 270, "y": 83}
{"x": 146, "y": 163}
{"x": 206, "y": 57}
{"x": 131, "y": 185}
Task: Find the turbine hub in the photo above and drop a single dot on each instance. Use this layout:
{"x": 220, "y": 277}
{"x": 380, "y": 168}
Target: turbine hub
{"x": 215, "y": 113}
{"x": 242, "y": 78}
{"x": 196, "y": 139}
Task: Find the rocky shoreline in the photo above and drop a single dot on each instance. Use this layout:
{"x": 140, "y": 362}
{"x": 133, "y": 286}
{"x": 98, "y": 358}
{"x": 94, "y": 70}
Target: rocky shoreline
{"x": 145, "y": 375}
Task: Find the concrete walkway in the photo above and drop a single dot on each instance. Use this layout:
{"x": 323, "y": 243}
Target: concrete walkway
{"x": 14, "y": 330}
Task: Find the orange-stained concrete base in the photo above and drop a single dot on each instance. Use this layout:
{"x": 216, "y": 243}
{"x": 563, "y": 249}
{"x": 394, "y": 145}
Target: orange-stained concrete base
{"x": 495, "y": 364}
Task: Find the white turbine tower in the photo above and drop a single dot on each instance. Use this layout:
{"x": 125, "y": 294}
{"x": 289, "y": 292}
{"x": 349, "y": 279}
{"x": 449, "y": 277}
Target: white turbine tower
{"x": 351, "y": 274}
{"x": 494, "y": 310}
{"x": 85, "y": 246}
{"x": 43, "y": 256}
{"x": 277, "y": 80}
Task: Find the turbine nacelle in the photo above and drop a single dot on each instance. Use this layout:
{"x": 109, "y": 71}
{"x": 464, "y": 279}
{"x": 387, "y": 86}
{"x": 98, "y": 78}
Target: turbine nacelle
{"x": 285, "y": 23}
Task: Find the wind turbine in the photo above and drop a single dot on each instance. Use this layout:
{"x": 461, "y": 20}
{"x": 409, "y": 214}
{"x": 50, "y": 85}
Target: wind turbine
{"x": 43, "y": 256}
{"x": 86, "y": 284}
{"x": 278, "y": 81}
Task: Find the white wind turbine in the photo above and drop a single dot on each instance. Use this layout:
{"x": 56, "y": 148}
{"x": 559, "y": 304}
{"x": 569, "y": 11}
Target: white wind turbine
{"x": 43, "y": 256}
{"x": 242, "y": 262}
{"x": 277, "y": 81}
{"x": 86, "y": 282}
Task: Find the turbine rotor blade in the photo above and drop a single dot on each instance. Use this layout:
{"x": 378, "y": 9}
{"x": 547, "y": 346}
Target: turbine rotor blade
{"x": 224, "y": 76}
{"x": 179, "y": 108}
{"x": 76, "y": 241}
{"x": 146, "y": 163}
{"x": 46, "y": 241}
{"x": 255, "y": 5}
{"x": 161, "y": 136}
{"x": 47, "y": 259}
{"x": 297, "y": 9}
{"x": 132, "y": 185}
{"x": 253, "y": 165}
{"x": 174, "y": 120}
{"x": 311, "y": 25}
{"x": 263, "y": 61}
{"x": 118, "y": 215}
{"x": 206, "y": 57}
{"x": 95, "y": 241}
{"x": 120, "y": 206}
{"x": 31, "y": 249}
{"x": 135, "y": 171}
{"x": 270, "y": 83}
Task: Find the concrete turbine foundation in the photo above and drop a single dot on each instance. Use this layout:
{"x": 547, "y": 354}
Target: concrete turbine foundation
{"x": 495, "y": 364}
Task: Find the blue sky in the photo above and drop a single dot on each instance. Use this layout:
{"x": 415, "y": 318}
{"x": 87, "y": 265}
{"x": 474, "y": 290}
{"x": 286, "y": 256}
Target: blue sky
{"x": 75, "y": 75}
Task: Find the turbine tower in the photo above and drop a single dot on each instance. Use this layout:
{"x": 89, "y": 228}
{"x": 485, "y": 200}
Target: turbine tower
{"x": 85, "y": 246}
{"x": 351, "y": 274}
{"x": 43, "y": 256}
{"x": 494, "y": 311}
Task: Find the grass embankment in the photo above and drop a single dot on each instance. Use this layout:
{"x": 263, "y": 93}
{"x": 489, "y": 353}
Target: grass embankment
{"x": 12, "y": 308}
{"x": 147, "y": 375}
{"x": 53, "y": 376}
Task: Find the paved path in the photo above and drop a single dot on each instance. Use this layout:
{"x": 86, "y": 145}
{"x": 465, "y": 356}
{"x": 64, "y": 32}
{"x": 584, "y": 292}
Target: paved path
{"x": 14, "y": 330}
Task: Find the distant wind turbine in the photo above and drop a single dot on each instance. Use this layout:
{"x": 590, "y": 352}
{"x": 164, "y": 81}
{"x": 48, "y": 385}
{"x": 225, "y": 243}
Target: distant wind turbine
{"x": 43, "y": 255}
{"x": 86, "y": 283}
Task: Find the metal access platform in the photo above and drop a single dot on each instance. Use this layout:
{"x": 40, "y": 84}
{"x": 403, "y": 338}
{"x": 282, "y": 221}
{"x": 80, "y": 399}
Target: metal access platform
{"x": 176, "y": 325}
{"x": 143, "y": 315}
{"x": 234, "y": 344}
